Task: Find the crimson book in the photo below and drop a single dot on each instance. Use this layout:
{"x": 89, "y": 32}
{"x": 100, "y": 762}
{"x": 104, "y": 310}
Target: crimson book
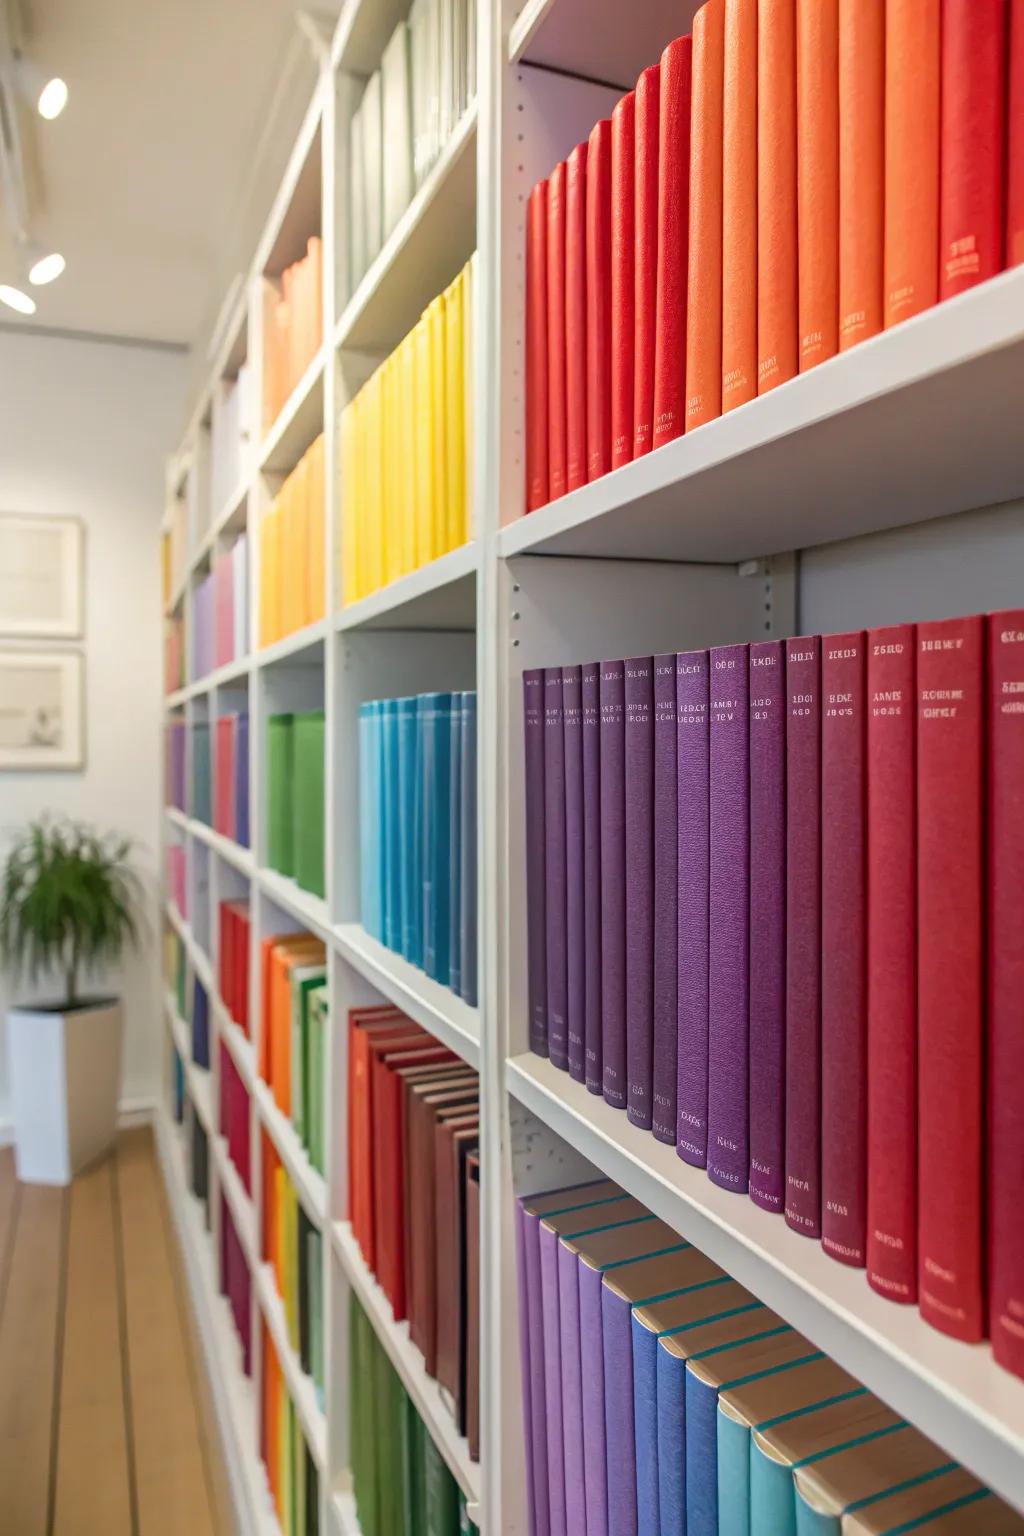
{"x": 537, "y": 347}
{"x": 692, "y": 854}
{"x": 639, "y": 805}
{"x": 645, "y": 255}
{"x": 556, "y": 332}
{"x": 576, "y": 318}
{"x": 676, "y": 87}
{"x": 1015, "y": 138}
{"x": 623, "y": 338}
{"x": 972, "y": 186}
{"x": 599, "y": 299}
{"x": 767, "y": 922}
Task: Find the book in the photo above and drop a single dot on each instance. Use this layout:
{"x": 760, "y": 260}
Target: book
{"x": 692, "y": 849}
{"x": 599, "y": 298}
{"x": 950, "y": 680}
{"x": 435, "y": 722}
{"x": 536, "y": 939}
{"x": 555, "y": 872}
{"x": 639, "y": 873}
{"x": 622, "y": 337}
{"x": 861, "y": 168}
{"x": 371, "y": 114}
{"x": 591, "y": 695}
{"x": 646, "y": 118}
{"x": 972, "y": 185}
{"x": 665, "y": 926}
{"x": 468, "y": 850}
{"x": 613, "y": 882}
{"x": 892, "y": 964}
{"x": 777, "y": 325}
{"x": 803, "y": 936}
{"x": 1015, "y": 138}
{"x": 537, "y": 486}
{"x": 576, "y": 318}
{"x": 817, "y": 183}
{"x": 575, "y": 962}
{"x": 456, "y": 734}
{"x": 396, "y": 93}
{"x": 739, "y": 204}
{"x": 948, "y": 1499}
{"x": 670, "y": 347}
{"x": 556, "y": 405}
{"x": 912, "y": 88}
{"x": 308, "y": 803}
{"x": 704, "y": 282}
{"x": 767, "y": 923}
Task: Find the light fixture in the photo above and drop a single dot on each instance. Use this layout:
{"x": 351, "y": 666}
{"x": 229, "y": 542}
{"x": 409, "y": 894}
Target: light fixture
{"x": 48, "y": 94}
{"x": 46, "y": 268}
{"x": 14, "y": 298}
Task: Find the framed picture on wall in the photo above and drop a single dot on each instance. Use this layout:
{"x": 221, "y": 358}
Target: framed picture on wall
{"x": 42, "y": 710}
{"x": 41, "y": 583}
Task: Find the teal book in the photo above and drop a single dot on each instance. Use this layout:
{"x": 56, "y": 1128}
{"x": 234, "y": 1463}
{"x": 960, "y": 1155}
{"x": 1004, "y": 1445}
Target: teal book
{"x": 837, "y": 1483}
{"x": 202, "y": 773}
{"x": 467, "y": 853}
{"x": 851, "y": 1419}
{"x": 416, "y": 1472}
{"x": 407, "y": 906}
{"x": 280, "y": 768}
{"x": 442, "y": 1496}
{"x": 456, "y": 734}
{"x": 435, "y": 719}
{"x": 365, "y": 817}
{"x": 307, "y": 801}
{"x": 391, "y": 826}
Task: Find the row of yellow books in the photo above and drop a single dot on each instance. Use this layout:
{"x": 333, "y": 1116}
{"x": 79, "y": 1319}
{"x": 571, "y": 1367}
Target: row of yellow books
{"x": 293, "y": 589}
{"x": 406, "y": 447}
{"x": 291, "y": 1473}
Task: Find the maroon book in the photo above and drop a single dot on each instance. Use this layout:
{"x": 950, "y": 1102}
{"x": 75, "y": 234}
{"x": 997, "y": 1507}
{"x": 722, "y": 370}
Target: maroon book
{"x": 572, "y": 711}
{"x": 536, "y": 923}
{"x": 592, "y": 872}
{"x": 555, "y": 869}
{"x": 666, "y": 906}
{"x": 613, "y": 883}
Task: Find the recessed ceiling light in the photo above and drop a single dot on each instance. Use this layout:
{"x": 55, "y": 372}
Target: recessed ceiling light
{"x": 48, "y": 94}
{"x": 15, "y": 299}
{"x": 52, "y": 99}
{"x": 46, "y": 268}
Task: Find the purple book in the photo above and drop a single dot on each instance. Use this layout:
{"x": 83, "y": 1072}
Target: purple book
{"x": 666, "y": 907}
{"x": 767, "y": 923}
{"x": 803, "y": 935}
{"x": 555, "y": 868}
{"x": 592, "y": 872}
{"x": 553, "y": 1379}
{"x": 639, "y": 887}
{"x": 536, "y": 925}
{"x": 729, "y": 920}
{"x": 525, "y": 1375}
{"x": 572, "y": 711}
{"x": 692, "y": 849}
{"x": 613, "y": 883}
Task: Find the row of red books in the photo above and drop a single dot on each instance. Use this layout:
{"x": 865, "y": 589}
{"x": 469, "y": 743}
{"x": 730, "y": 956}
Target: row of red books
{"x": 414, "y": 1192}
{"x": 234, "y": 961}
{"x": 775, "y": 903}
{"x": 788, "y": 181}
{"x": 234, "y": 1116}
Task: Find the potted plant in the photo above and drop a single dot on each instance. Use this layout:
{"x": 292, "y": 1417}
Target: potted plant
{"x": 68, "y": 904}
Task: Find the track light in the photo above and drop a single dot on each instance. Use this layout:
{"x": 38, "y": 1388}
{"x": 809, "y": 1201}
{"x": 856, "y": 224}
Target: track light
{"x": 15, "y": 299}
{"x": 48, "y": 94}
{"x": 46, "y": 268}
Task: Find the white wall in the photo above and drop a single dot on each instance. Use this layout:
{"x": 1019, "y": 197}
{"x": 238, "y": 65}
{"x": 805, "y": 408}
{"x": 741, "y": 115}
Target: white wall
{"x": 84, "y": 431}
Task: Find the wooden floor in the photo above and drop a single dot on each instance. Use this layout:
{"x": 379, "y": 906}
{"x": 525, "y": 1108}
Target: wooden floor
{"x": 105, "y": 1425}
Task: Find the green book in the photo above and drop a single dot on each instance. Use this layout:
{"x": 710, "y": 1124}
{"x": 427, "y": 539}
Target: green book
{"x": 317, "y": 1039}
{"x": 388, "y": 1390}
{"x": 312, "y": 1498}
{"x": 299, "y": 1483}
{"x": 280, "y": 774}
{"x": 466, "y": 1525}
{"x": 363, "y": 1419}
{"x": 286, "y": 1463}
{"x": 307, "y": 803}
{"x": 416, "y": 1434}
{"x": 315, "y": 1303}
{"x": 442, "y": 1494}
{"x": 303, "y": 979}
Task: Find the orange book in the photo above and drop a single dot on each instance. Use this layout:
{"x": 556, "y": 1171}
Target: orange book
{"x": 912, "y": 76}
{"x": 861, "y": 168}
{"x": 704, "y": 295}
{"x": 316, "y": 577}
{"x": 284, "y": 941}
{"x": 305, "y": 949}
{"x": 315, "y": 289}
{"x": 776, "y": 193}
{"x": 739, "y": 204}
{"x": 817, "y": 179}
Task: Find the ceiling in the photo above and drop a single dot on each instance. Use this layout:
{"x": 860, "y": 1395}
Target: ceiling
{"x": 178, "y": 123}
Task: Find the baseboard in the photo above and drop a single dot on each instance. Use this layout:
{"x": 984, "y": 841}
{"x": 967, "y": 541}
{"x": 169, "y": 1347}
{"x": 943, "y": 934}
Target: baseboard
{"x": 130, "y": 1113}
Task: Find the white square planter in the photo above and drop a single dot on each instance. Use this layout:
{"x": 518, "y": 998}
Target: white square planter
{"x": 65, "y": 1073}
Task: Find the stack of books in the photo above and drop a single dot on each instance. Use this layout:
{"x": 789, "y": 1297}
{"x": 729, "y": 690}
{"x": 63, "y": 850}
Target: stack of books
{"x": 230, "y": 576}
{"x": 409, "y": 110}
{"x": 414, "y": 1193}
{"x": 291, "y": 1471}
{"x": 174, "y": 654}
{"x": 293, "y": 1040}
{"x": 660, "y": 1395}
{"x": 234, "y": 961}
{"x": 292, "y": 1245}
{"x": 236, "y": 1284}
{"x": 292, "y": 536}
{"x": 774, "y": 914}
{"x": 175, "y": 762}
{"x": 231, "y": 804}
{"x": 417, "y": 832}
{"x": 295, "y": 798}
{"x": 786, "y": 182}
{"x": 230, "y": 415}
{"x": 407, "y": 449}
{"x": 293, "y": 326}
{"x": 234, "y": 1116}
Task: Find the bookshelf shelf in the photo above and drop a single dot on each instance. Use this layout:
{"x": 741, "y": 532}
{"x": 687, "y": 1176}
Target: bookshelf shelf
{"x": 300, "y": 1386}
{"x": 434, "y": 1006}
{"x": 586, "y": 38}
{"x": 300, "y": 421}
{"x": 408, "y": 1362}
{"x": 291, "y": 898}
{"x": 441, "y": 595}
{"x": 363, "y": 30}
{"x": 342, "y": 1508}
{"x": 310, "y": 1186}
{"x": 294, "y": 647}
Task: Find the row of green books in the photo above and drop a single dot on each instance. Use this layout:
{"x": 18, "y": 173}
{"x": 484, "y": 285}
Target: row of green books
{"x": 295, "y": 798}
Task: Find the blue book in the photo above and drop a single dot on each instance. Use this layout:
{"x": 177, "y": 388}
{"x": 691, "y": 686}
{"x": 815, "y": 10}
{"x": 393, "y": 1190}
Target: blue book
{"x": 467, "y": 849}
{"x": 365, "y": 826}
{"x": 200, "y": 1025}
{"x": 894, "y": 1464}
{"x": 242, "y": 781}
{"x": 435, "y": 720}
{"x": 392, "y": 831}
{"x": 455, "y": 846}
{"x": 406, "y": 712}
{"x": 851, "y": 1420}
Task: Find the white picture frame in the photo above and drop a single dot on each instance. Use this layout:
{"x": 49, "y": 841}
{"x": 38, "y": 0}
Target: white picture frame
{"x": 42, "y": 710}
{"x": 41, "y": 585}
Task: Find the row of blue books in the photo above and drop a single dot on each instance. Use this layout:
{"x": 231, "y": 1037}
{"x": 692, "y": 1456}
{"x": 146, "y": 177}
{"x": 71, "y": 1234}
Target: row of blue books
{"x": 417, "y": 832}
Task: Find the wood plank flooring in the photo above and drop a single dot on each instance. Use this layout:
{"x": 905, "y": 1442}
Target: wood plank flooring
{"x": 105, "y": 1424}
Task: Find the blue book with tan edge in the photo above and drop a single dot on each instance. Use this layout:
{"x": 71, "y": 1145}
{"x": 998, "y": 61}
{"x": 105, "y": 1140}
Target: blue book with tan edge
{"x": 436, "y": 722}
{"x": 405, "y": 710}
{"x": 392, "y": 830}
{"x": 834, "y": 1484}
{"x": 945, "y": 1499}
{"x": 467, "y": 852}
{"x": 455, "y": 846}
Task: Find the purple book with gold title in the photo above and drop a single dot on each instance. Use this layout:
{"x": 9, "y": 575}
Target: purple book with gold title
{"x": 666, "y": 1026}
{"x": 613, "y": 883}
{"x": 536, "y": 925}
{"x": 767, "y": 923}
{"x": 555, "y": 868}
{"x": 591, "y": 692}
{"x": 692, "y": 849}
{"x": 639, "y": 755}
{"x": 572, "y": 713}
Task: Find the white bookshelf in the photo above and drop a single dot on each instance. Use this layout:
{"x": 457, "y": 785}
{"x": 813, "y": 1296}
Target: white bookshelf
{"x": 886, "y": 485}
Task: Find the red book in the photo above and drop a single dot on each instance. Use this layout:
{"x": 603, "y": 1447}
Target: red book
{"x": 576, "y": 318}
{"x": 776, "y": 194}
{"x": 676, "y": 86}
{"x": 972, "y": 189}
{"x": 817, "y": 136}
{"x": 556, "y": 332}
{"x": 844, "y": 1083}
{"x": 370, "y": 1029}
{"x": 912, "y": 86}
{"x": 704, "y": 289}
{"x": 599, "y": 300}
{"x": 645, "y": 256}
{"x": 537, "y": 347}
{"x": 739, "y": 205}
{"x": 1006, "y": 987}
{"x": 950, "y": 680}
{"x": 892, "y": 965}
{"x": 242, "y": 967}
{"x": 1015, "y": 139}
{"x": 623, "y": 279}
{"x": 861, "y": 168}
{"x": 225, "y": 962}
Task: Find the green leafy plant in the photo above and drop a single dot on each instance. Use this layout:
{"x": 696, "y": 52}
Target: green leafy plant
{"x": 69, "y": 899}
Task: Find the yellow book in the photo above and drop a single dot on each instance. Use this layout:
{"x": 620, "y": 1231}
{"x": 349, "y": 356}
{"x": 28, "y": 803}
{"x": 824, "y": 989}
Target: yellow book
{"x": 316, "y": 570}
{"x": 407, "y": 417}
{"x": 454, "y": 414}
{"x": 284, "y": 1462}
{"x": 435, "y": 319}
{"x": 469, "y": 330}
{"x": 425, "y": 550}
{"x": 280, "y": 1239}
{"x": 270, "y": 576}
{"x": 292, "y": 1271}
{"x": 373, "y": 499}
{"x": 348, "y": 552}
{"x": 294, "y": 540}
{"x": 395, "y": 454}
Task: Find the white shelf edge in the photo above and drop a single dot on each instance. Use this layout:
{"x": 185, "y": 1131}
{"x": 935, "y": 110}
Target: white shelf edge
{"x": 408, "y": 1362}
{"x": 342, "y": 1506}
{"x": 291, "y": 408}
{"x": 300, "y": 1386}
{"x": 178, "y": 819}
{"x": 240, "y": 1047}
{"x": 525, "y": 27}
{"x": 291, "y": 898}
{"x": 953, "y": 1392}
{"x": 290, "y": 645}
{"x": 389, "y": 601}
{"x": 310, "y": 1185}
{"x": 220, "y": 677}
{"x": 447, "y": 1017}
{"x": 231, "y": 852}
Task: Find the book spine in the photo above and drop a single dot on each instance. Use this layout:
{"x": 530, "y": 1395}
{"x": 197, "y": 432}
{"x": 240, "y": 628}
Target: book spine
{"x": 468, "y": 882}
{"x": 623, "y": 238}
{"x": 892, "y": 965}
{"x": 803, "y": 936}
{"x": 1006, "y": 986}
{"x": 572, "y": 710}
{"x": 692, "y": 858}
{"x": 843, "y": 950}
{"x": 767, "y": 923}
{"x": 538, "y": 1375}
{"x": 599, "y": 299}
{"x": 556, "y": 331}
{"x": 639, "y": 872}
{"x": 701, "y": 1455}
{"x": 592, "y": 873}
{"x": 861, "y": 168}
{"x": 1015, "y": 138}
{"x": 666, "y": 904}
{"x": 949, "y": 878}
{"x": 674, "y": 112}
{"x": 645, "y": 256}
{"x": 576, "y": 319}
{"x": 739, "y": 205}
{"x": 729, "y": 920}
{"x": 536, "y": 919}
{"x": 553, "y": 1381}
{"x": 555, "y": 867}
{"x": 912, "y": 85}
{"x": 670, "y": 1376}
{"x": 437, "y": 854}
{"x": 457, "y": 733}
{"x": 704, "y": 286}
{"x": 645, "y": 1426}
{"x": 616, "y": 1344}
{"x": 613, "y": 883}
{"x": 572, "y": 1390}
{"x": 972, "y": 188}
{"x": 536, "y": 347}
{"x": 777, "y": 355}
{"x": 817, "y": 138}
{"x": 595, "y": 1459}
